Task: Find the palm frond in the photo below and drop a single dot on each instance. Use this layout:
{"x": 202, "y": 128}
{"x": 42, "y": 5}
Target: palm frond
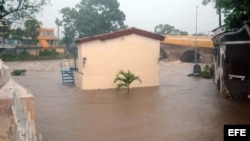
{"x": 120, "y": 85}
{"x": 119, "y": 79}
{"x": 125, "y": 79}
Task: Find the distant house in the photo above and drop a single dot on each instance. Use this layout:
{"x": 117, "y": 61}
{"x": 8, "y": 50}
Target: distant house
{"x": 231, "y": 62}
{"x": 100, "y": 57}
{"x": 47, "y": 41}
{"x": 47, "y": 38}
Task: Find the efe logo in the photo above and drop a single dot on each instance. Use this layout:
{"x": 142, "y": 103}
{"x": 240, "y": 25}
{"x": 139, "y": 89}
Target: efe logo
{"x": 236, "y": 132}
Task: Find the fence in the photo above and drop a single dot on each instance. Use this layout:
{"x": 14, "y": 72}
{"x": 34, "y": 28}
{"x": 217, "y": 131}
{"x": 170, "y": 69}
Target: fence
{"x": 24, "y": 125}
{"x": 7, "y": 46}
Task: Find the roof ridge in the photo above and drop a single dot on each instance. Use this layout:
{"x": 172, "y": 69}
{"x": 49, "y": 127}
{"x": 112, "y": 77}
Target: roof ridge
{"x": 111, "y": 35}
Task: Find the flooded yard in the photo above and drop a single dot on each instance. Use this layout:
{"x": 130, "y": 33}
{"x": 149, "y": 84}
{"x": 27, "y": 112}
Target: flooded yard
{"x": 181, "y": 108}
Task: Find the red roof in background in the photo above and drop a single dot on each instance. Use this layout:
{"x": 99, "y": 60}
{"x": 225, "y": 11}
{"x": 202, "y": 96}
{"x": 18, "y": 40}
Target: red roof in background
{"x": 120, "y": 33}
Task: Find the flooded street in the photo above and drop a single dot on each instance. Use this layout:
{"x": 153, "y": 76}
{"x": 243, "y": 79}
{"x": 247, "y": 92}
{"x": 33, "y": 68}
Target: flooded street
{"x": 182, "y": 108}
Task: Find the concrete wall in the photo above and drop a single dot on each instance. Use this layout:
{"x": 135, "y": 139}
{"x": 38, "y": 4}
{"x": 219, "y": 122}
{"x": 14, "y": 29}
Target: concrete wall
{"x": 78, "y": 79}
{"x": 33, "y": 52}
{"x": 60, "y": 50}
{"x": 6, "y": 103}
{"x": 174, "y": 52}
{"x": 136, "y": 53}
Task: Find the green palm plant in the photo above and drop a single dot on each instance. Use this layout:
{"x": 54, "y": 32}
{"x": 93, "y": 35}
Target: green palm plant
{"x": 124, "y": 79}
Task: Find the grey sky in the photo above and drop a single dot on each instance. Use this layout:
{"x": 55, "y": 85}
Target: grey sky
{"x": 146, "y": 14}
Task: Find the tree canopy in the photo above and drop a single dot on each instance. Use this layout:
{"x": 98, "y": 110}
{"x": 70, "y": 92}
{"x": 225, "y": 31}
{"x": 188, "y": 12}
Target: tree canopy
{"x": 168, "y": 29}
{"x": 32, "y": 29}
{"x": 91, "y": 17}
{"x": 236, "y": 12}
{"x": 58, "y": 24}
{"x": 12, "y": 10}
{"x": 18, "y": 33}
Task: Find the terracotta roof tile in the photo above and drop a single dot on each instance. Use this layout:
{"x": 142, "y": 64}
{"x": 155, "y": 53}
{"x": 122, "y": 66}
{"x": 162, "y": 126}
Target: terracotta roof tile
{"x": 112, "y": 35}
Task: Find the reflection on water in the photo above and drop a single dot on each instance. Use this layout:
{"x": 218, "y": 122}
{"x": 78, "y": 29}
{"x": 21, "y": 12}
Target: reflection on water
{"x": 182, "y": 108}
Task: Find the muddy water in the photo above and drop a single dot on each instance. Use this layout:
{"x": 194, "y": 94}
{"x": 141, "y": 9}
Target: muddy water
{"x": 182, "y": 108}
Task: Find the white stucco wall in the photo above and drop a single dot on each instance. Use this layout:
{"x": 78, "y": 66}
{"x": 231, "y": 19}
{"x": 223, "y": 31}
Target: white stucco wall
{"x": 133, "y": 52}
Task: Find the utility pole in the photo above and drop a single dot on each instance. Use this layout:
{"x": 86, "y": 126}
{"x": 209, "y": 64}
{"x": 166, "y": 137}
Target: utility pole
{"x": 197, "y": 67}
{"x": 219, "y": 11}
{"x": 58, "y": 23}
{"x": 195, "y": 58}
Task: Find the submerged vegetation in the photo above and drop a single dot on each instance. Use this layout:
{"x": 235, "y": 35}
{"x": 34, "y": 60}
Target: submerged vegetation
{"x": 205, "y": 73}
{"x": 18, "y": 72}
{"x": 124, "y": 79}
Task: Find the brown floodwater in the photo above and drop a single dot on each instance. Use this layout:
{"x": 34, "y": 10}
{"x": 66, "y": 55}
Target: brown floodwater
{"x": 181, "y": 108}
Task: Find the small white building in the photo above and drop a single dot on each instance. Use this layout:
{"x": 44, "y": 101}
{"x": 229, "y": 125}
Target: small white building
{"x": 101, "y": 57}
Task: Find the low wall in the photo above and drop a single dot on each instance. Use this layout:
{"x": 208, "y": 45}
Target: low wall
{"x": 17, "y": 110}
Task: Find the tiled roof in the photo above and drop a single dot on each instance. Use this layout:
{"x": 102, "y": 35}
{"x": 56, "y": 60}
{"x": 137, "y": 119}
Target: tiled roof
{"x": 122, "y": 33}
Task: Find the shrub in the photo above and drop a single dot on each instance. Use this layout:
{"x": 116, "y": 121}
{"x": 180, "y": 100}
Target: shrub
{"x": 23, "y": 55}
{"x": 7, "y": 57}
{"x": 206, "y": 72}
{"x": 18, "y": 72}
{"x": 48, "y": 53}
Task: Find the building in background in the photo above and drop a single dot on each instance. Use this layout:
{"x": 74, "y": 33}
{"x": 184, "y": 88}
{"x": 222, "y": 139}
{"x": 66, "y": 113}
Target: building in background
{"x": 47, "y": 39}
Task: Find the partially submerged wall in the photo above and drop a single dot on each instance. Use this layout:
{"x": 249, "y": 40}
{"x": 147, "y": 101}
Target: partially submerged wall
{"x": 106, "y": 58}
{"x": 8, "y": 120}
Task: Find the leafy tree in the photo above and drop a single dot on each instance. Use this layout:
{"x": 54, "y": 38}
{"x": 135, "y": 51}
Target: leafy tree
{"x": 91, "y": 17}
{"x": 236, "y": 12}
{"x": 32, "y": 29}
{"x": 124, "y": 79}
{"x": 183, "y": 32}
{"x": 168, "y": 29}
{"x": 124, "y": 27}
{"x": 68, "y": 22}
{"x": 58, "y": 24}
{"x": 4, "y": 32}
{"x": 11, "y": 10}
{"x": 17, "y": 34}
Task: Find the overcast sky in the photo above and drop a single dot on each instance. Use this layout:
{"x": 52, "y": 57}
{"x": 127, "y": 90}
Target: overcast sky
{"x": 146, "y": 14}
